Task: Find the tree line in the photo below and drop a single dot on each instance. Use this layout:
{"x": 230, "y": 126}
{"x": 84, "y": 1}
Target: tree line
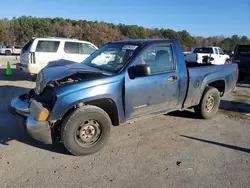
{"x": 18, "y": 31}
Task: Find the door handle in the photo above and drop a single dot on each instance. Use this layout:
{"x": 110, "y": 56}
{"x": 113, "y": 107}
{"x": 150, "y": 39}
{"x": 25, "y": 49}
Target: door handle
{"x": 172, "y": 78}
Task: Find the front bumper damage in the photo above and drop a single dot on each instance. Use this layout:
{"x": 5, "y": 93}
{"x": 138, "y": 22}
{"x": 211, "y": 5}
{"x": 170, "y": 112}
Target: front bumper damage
{"x": 39, "y": 130}
{"x": 19, "y": 105}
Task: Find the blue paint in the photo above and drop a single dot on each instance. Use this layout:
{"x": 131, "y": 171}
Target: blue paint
{"x": 145, "y": 95}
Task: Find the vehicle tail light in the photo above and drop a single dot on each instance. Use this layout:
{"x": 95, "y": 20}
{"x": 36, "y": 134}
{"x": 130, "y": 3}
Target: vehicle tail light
{"x": 237, "y": 74}
{"x": 32, "y": 58}
{"x": 232, "y": 60}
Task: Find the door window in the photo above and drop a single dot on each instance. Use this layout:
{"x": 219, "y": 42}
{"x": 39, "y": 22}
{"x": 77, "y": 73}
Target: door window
{"x": 71, "y": 47}
{"x": 158, "y": 57}
{"x": 86, "y": 49}
{"x": 18, "y": 47}
{"x": 216, "y": 51}
{"x": 47, "y": 46}
{"x": 220, "y": 51}
{"x": 78, "y": 48}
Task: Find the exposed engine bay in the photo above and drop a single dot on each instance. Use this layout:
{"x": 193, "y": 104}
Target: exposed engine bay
{"x": 77, "y": 78}
{"x": 48, "y": 96}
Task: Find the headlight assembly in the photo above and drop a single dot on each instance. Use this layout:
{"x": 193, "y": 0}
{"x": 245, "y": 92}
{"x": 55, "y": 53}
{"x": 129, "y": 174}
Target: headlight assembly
{"x": 39, "y": 83}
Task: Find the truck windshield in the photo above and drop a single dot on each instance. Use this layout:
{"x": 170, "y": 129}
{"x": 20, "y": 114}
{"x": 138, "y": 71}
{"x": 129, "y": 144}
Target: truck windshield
{"x": 111, "y": 57}
{"x": 244, "y": 49}
{"x": 203, "y": 50}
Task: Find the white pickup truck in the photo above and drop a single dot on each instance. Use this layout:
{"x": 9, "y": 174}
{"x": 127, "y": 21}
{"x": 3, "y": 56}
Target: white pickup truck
{"x": 201, "y": 54}
{"x": 10, "y": 50}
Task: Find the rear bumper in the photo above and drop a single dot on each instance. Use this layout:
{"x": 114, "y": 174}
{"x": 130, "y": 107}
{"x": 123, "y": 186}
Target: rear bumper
{"x": 39, "y": 130}
{"x": 29, "y": 68}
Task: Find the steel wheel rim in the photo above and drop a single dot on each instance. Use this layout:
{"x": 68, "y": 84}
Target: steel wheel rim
{"x": 210, "y": 103}
{"x": 88, "y": 133}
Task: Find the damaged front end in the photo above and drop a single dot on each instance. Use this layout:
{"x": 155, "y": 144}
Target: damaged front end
{"x": 29, "y": 106}
{"x": 38, "y": 103}
{"x": 20, "y": 105}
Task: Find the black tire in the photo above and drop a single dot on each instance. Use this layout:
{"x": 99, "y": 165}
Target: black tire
{"x": 74, "y": 139}
{"x": 7, "y": 52}
{"x": 204, "y": 109}
{"x": 227, "y": 61}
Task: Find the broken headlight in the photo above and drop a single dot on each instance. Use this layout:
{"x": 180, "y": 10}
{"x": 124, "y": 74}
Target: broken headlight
{"x": 39, "y": 83}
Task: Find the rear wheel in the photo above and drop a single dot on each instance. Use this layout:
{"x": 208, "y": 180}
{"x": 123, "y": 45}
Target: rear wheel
{"x": 86, "y": 130}
{"x": 209, "y": 103}
{"x": 7, "y": 52}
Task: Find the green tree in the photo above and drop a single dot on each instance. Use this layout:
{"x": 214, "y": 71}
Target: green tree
{"x": 22, "y": 29}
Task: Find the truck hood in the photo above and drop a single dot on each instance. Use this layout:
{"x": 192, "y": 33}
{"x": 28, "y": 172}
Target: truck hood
{"x": 60, "y": 69}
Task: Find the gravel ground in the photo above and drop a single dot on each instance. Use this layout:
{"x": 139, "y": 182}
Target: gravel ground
{"x": 12, "y": 59}
{"x": 174, "y": 150}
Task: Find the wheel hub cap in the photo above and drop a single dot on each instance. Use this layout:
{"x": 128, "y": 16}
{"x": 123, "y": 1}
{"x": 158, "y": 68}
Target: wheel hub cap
{"x": 210, "y": 103}
{"x": 88, "y": 133}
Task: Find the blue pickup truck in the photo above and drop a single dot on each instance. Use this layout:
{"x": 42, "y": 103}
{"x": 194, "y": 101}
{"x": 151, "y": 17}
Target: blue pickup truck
{"x": 121, "y": 81}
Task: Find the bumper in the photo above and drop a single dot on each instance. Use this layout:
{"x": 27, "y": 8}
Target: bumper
{"x": 39, "y": 130}
{"x": 20, "y": 106}
{"x": 29, "y": 68}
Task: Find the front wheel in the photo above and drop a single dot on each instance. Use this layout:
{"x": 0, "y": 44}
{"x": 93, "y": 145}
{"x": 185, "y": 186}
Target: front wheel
{"x": 227, "y": 61}
{"x": 86, "y": 130}
{"x": 209, "y": 103}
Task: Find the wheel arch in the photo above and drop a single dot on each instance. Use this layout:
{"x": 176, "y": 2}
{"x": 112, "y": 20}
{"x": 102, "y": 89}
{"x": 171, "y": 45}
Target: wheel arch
{"x": 218, "y": 84}
{"x": 7, "y": 51}
{"x": 106, "y": 104}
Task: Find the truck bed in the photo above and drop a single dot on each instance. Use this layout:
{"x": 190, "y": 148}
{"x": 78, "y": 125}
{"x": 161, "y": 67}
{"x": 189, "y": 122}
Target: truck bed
{"x": 191, "y": 65}
{"x": 202, "y": 75}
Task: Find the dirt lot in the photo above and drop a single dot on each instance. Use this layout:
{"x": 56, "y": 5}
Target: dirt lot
{"x": 12, "y": 59}
{"x": 175, "y": 150}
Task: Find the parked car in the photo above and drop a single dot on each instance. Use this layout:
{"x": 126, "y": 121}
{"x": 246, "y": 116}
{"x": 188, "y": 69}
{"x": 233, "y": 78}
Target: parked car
{"x": 10, "y": 50}
{"x": 2, "y": 48}
{"x": 241, "y": 56}
{"x": 84, "y": 99}
{"x": 216, "y": 54}
{"x": 186, "y": 53}
{"x": 38, "y": 52}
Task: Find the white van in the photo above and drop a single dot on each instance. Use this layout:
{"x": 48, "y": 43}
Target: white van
{"x": 38, "y": 52}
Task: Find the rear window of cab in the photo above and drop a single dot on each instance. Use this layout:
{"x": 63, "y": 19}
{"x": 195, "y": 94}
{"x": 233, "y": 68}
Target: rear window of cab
{"x": 243, "y": 49}
{"x": 203, "y": 50}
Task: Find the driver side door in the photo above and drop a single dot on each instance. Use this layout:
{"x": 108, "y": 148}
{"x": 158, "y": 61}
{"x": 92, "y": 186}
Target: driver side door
{"x": 222, "y": 57}
{"x": 157, "y": 92}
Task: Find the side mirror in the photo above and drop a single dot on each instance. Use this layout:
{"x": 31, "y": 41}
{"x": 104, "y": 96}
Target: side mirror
{"x": 139, "y": 71}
